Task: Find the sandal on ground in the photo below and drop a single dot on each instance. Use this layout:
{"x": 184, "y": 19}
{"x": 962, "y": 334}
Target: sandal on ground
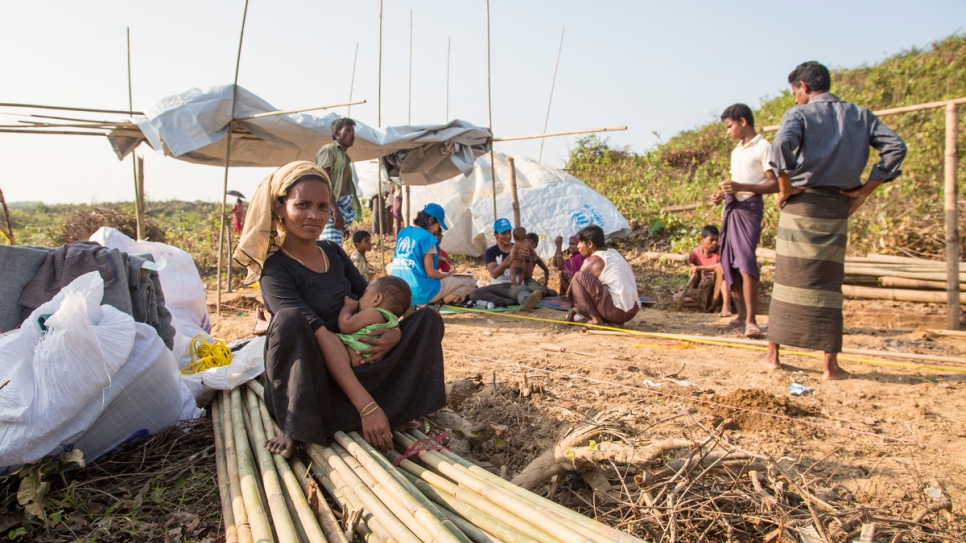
{"x": 734, "y": 324}
{"x": 752, "y": 331}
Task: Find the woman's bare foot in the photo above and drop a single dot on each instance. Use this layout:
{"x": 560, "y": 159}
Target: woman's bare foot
{"x": 261, "y": 325}
{"x": 282, "y": 445}
{"x": 725, "y": 313}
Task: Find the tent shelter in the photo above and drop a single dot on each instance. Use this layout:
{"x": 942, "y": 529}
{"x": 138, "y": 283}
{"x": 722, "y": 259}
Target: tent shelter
{"x": 552, "y": 203}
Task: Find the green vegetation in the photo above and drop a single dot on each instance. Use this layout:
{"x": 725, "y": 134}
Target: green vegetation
{"x": 901, "y": 217}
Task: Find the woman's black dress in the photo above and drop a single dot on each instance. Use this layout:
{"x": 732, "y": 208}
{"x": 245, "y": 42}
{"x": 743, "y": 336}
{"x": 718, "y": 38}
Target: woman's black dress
{"x": 309, "y": 406}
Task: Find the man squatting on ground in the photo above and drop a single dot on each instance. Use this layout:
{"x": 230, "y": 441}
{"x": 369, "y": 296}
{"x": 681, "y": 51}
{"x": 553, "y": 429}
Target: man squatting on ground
{"x": 819, "y": 152}
{"x": 498, "y": 259}
{"x": 334, "y": 160}
{"x": 751, "y": 176}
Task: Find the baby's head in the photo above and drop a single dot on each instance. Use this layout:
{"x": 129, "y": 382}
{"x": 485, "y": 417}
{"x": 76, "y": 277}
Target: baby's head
{"x": 533, "y": 240}
{"x": 390, "y": 293}
{"x": 519, "y": 234}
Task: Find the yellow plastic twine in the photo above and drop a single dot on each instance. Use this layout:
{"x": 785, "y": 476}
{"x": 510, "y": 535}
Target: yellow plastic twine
{"x": 205, "y": 356}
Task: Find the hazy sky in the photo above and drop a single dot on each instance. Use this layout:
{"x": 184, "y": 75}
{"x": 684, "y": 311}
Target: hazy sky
{"x": 657, "y": 67}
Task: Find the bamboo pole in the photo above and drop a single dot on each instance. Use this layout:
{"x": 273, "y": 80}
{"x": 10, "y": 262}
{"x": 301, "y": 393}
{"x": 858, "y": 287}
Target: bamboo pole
{"x": 300, "y": 505}
{"x": 228, "y": 258}
{"x": 242, "y": 525}
{"x": 50, "y": 132}
{"x": 8, "y": 231}
{"x": 379, "y": 463}
{"x": 381, "y": 216}
{"x": 366, "y": 497}
{"x": 352, "y": 81}
{"x": 86, "y": 110}
{"x": 336, "y": 486}
{"x": 489, "y": 110}
{"x": 554, "y": 526}
{"x": 350, "y": 103}
{"x": 257, "y": 517}
{"x": 954, "y": 311}
{"x": 902, "y": 282}
{"x": 895, "y": 110}
{"x": 281, "y": 519}
{"x": 564, "y": 133}
{"x": 407, "y": 509}
{"x": 224, "y": 189}
{"x": 553, "y": 83}
{"x": 409, "y": 107}
{"x": 221, "y": 471}
{"x": 925, "y": 275}
{"x": 379, "y": 88}
{"x": 488, "y": 516}
{"x": 900, "y": 295}
{"x": 561, "y": 512}
{"x": 142, "y": 211}
{"x": 134, "y": 162}
{"x": 515, "y": 199}
{"x": 448, "y": 38}
{"x": 324, "y": 515}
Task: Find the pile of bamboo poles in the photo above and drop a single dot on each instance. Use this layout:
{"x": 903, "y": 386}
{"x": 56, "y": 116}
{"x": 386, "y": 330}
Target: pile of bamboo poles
{"x": 433, "y": 496}
{"x": 881, "y": 277}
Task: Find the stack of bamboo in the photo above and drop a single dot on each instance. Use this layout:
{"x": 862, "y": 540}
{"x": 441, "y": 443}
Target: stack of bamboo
{"x": 433, "y": 496}
{"x": 882, "y": 277}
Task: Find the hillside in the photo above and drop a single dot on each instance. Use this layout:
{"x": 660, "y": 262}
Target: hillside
{"x": 901, "y": 218}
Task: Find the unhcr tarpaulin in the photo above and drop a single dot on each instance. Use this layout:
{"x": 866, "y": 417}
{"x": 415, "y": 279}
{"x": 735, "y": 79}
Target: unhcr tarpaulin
{"x": 552, "y": 203}
{"x": 192, "y": 126}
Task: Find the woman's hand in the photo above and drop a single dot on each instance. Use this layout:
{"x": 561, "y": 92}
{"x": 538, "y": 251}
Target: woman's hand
{"x": 382, "y": 341}
{"x": 376, "y": 430}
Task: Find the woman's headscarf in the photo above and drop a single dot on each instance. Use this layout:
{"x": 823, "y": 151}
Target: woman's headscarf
{"x": 263, "y": 234}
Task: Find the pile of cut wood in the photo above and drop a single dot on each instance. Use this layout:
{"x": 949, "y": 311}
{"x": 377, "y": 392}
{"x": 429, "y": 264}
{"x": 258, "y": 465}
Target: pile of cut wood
{"x": 881, "y": 277}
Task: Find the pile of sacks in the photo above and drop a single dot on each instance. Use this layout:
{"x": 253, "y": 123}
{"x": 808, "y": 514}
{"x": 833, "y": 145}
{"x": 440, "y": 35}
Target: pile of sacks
{"x": 100, "y": 363}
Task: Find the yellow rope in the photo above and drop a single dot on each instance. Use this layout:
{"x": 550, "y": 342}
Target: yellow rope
{"x": 720, "y": 343}
{"x": 205, "y": 356}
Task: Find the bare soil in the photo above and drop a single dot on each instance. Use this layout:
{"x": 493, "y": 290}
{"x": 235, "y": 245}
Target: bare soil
{"x": 877, "y": 437}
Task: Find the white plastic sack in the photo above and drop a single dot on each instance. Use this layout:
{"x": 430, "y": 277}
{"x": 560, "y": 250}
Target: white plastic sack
{"x": 71, "y": 364}
{"x": 184, "y": 292}
{"x": 246, "y": 364}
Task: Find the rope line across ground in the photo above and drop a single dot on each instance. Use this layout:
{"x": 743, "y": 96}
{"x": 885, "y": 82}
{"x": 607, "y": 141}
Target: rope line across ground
{"x": 720, "y": 343}
{"x": 883, "y": 437}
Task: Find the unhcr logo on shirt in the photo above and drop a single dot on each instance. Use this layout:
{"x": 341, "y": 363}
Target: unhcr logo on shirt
{"x": 586, "y": 216}
{"x": 405, "y": 247}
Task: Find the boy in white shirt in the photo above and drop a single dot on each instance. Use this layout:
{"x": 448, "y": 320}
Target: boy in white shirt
{"x": 751, "y": 176}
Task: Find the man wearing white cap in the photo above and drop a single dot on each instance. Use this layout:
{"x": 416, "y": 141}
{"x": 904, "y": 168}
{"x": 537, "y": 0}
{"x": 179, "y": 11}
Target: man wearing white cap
{"x": 497, "y": 259}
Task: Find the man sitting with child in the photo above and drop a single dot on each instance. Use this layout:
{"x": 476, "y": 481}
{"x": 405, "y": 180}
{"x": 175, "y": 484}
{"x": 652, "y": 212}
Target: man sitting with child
{"x": 498, "y": 259}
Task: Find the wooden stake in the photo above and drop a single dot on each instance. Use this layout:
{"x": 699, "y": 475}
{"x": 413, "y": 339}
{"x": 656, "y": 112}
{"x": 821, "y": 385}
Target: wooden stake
{"x": 8, "y": 231}
{"x": 224, "y": 189}
{"x": 352, "y": 82}
{"x": 489, "y": 109}
{"x": 553, "y": 83}
{"x": 139, "y": 228}
{"x": 513, "y": 192}
{"x": 954, "y": 311}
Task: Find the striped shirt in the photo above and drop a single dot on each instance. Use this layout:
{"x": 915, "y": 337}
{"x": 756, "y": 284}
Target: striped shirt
{"x": 825, "y": 143}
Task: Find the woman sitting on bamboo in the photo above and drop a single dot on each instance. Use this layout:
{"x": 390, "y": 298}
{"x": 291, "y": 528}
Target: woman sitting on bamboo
{"x": 304, "y": 283}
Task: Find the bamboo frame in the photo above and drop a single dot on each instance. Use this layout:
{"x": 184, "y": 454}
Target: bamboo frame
{"x": 564, "y": 133}
{"x": 224, "y": 189}
{"x": 489, "y": 110}
{"x": 64, "y": 108}
{"x": 138, "y": 204}
{"x": 894, "y": 110}
{"x": 8, "y": 231}
{"x": 350, "y": 103}
{"x": 553, "y": 83}
{"x": 352, "y": 80}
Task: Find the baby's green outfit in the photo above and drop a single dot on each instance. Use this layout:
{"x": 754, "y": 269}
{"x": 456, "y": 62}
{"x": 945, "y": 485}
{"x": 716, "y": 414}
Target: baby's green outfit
{"x": 352, "y": 340}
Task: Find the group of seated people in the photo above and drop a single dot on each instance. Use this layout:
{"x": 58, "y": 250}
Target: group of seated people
{"x": 338, "y": 355}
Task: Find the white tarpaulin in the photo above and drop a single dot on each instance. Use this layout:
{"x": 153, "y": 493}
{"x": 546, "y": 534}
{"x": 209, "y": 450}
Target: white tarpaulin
{"x": 193, "y": 126}
{"x": 552, "y": 203}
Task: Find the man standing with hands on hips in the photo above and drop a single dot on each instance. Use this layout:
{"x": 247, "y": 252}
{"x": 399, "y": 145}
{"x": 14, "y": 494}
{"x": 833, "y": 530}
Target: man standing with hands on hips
{"x": 820, "y": 152}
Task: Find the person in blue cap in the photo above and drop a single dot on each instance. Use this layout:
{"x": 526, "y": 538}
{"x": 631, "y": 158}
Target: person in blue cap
{"x": 497, "y": 258}
{"x": 416, "y": 261}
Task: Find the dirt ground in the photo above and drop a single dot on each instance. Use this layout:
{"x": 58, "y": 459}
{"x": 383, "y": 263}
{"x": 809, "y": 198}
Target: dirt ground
{"x": 879, "y": 436}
